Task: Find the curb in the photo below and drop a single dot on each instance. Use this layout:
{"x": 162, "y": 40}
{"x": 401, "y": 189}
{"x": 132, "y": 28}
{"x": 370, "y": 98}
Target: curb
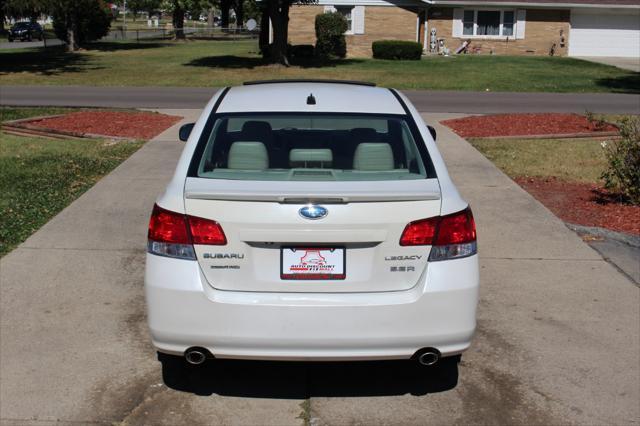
{"x": 629, "y": 239}
{"x": 22, "y": 127}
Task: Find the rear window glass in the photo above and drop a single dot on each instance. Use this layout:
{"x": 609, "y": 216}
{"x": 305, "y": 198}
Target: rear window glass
{"x": 310, "y": 147}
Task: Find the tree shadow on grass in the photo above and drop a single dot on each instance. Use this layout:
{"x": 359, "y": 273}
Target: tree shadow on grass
{"x": 629, "y": 83}
{"x": 45, "y": 61}
{"x": 227, "y": 62}
{"x": 107, "y": 46}
{"x": 247, "y": 62}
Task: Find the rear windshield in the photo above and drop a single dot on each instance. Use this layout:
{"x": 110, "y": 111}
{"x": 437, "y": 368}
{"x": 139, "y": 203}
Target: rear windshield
{"x": 310, "y": 147}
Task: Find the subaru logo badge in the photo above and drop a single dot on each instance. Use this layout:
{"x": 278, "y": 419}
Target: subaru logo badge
{"x": 313, "y": 212}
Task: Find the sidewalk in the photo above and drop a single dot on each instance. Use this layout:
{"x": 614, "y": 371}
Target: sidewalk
{"x": 558, "y": 338}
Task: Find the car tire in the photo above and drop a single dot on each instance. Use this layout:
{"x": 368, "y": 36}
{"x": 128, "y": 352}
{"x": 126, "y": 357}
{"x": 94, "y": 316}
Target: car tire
{"x": 10, "y": 40}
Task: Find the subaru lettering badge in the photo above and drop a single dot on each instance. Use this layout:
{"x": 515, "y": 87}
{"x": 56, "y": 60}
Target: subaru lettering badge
{"x": 313, "y": 212}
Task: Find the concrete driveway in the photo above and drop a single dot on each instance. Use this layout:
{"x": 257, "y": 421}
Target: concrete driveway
{"x": 558, "y": 335}
{"x": 631, "y": 64}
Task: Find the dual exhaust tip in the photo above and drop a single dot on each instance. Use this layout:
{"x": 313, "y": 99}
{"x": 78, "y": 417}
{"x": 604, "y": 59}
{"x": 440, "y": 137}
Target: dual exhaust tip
{"x": 427, "y": 356}
{"x": 197, "y": 356}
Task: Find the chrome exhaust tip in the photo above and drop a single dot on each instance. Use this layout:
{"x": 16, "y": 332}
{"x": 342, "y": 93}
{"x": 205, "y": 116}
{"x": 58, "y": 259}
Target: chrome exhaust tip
{"x": 195, "y": 356}
{"x": 428, "y": 357}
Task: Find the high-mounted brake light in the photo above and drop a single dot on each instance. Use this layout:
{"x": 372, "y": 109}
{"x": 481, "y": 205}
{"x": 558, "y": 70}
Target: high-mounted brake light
{"x": 452, "y": 236}
{"x": 173, "y": 234}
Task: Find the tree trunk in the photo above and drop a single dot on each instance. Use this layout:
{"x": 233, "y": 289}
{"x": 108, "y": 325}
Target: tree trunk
{"x": 72, "y": 34}
{"x": 72, "y": 45}
{"x": 280, "y": 22}
{"x": 178, "y": 22}
{"x": 239, "y": 8}
{"x": 263, "y": 41}
{"x": 210, "y": 17}
{"x": 225, "y": 5}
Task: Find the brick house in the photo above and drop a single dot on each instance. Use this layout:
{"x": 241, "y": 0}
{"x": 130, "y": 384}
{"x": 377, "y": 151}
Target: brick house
{"x": 532, "y": 27}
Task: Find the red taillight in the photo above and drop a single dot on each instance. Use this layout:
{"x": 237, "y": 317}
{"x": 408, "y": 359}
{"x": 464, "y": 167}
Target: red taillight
{"x": 168, "y": 227}
{"x": 205, "y": 231}
{"x": 420, "y": 233}
{"x": 456, "y": 228}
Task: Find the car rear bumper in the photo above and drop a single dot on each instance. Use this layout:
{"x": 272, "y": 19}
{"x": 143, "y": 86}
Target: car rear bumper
{"x": 185, "y": 311}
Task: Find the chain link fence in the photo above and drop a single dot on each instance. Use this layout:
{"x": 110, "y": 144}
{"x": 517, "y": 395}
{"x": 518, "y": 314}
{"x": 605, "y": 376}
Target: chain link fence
{"x": 168, "y": 33}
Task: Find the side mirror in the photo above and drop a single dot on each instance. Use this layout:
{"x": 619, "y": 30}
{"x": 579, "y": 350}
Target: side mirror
{"x": 432, "y": 131}
{"x": 185, "y": 131}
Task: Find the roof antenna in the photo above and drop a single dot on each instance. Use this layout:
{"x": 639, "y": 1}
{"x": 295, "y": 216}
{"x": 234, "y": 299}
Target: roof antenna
{"x": 311, "y": 100}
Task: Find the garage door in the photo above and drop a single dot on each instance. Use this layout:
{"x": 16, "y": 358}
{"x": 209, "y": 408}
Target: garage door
{"x": 604, "y": 34}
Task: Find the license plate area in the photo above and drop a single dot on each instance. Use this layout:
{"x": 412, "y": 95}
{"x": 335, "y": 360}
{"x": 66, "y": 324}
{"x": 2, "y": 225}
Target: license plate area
{"x": 312, "y": 263}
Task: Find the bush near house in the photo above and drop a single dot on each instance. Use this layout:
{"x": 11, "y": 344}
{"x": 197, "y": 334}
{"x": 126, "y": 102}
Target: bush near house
{"x": 396, "y": 49}
{"x": 623, "y": 159}
{"x": 330, "y": 41}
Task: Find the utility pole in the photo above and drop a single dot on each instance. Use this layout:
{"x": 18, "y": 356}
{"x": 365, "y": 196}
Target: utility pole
{"x": 124, "y": 17}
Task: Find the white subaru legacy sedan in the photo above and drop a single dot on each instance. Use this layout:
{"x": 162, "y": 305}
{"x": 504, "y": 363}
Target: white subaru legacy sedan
{"x": 311, "y": 220}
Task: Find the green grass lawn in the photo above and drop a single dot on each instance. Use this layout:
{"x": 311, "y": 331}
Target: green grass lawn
{"x": 576, "y": 160}
{"x": 42, "y": 176}
{"x": 220, "y": 63}
{"x": 11, "y": 113}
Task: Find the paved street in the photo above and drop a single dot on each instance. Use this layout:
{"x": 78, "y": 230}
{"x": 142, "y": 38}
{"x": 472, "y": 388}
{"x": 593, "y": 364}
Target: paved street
{"x": 424, "y": 100}
{"x": 558, "y": 334}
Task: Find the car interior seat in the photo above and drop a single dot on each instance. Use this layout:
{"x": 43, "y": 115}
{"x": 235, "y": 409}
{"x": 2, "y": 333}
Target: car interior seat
{"x": 248, "y": 155}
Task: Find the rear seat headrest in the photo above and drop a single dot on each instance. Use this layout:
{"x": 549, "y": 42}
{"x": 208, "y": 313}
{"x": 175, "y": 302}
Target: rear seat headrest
{"x": 258, "y": 128}
{"x": 362, "y": 134}
{"x": 247, "y": 155}
{"x": 310, "y": 157}
{"x": 373, "y": 156}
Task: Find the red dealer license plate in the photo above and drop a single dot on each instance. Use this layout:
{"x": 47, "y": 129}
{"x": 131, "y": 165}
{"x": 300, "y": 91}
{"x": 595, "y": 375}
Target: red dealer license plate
{"x": 312, "y": 263}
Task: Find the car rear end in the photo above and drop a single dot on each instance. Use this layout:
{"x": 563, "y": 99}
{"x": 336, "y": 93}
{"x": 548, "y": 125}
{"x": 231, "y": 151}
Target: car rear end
{"x": 312, "y": 224}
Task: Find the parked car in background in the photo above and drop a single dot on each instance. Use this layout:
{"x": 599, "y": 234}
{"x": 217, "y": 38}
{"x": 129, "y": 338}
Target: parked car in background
{"x": 26, "y": 31}
{"x": 311, "y": 220}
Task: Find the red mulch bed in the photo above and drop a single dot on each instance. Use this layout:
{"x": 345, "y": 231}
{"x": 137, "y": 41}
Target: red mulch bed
{"x": 133, "y": 125}
{"x": 484, "y": 126}
{"x": 583, "y": 204}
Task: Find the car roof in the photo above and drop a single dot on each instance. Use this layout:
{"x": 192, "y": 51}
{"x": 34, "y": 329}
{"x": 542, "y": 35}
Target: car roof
{"x": 293, "y": 97}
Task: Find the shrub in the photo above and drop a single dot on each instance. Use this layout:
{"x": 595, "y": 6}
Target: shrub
{"x": 396, "y": 49}
{"x": 330, "y": 41}
{"x": 301, "y": 50}
{"x": 90, "y": 20}
{"x": 623, "y": 156}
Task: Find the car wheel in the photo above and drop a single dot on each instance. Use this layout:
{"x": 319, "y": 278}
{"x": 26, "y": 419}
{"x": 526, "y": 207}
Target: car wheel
{"x": 10, "y": 40}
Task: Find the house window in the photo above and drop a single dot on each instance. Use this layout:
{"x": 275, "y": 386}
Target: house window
{"x": 508, "y": 20}
{"x": 468, "y": 22}
{"x": 489, "y": 23}
{"x": 346, "y": 11}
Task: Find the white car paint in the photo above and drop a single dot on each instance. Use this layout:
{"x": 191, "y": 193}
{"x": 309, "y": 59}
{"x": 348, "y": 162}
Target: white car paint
{"x": 250, "y": 312}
